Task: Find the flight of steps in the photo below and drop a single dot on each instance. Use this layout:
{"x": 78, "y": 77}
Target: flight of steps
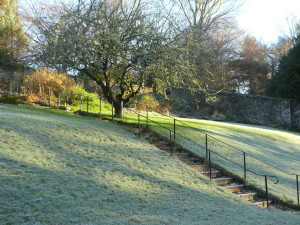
{"x": 217, "y": 177}
{"x": 199, "y": 164}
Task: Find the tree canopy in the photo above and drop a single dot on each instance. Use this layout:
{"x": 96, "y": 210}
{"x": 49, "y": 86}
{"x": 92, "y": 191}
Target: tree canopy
{"x": 122, "y": 45}
{"x": 116, "y": 44}
{"x": 286, "y": 82}
{"x": 207, "y": 32}
{"x": 250, "y": 68}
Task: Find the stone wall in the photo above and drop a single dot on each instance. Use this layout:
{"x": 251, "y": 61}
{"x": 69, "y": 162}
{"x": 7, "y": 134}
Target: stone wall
{"x": 295, "y": 108}
{"x": 255, "y": 109}
{"x": 249, "y": 109}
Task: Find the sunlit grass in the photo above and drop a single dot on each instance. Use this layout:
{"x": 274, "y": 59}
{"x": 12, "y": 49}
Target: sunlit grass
{"x": 58, "y": 168}
{"x": 93, "y": 104}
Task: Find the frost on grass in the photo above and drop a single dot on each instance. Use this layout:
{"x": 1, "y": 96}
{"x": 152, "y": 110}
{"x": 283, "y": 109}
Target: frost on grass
{"x": 276, "y": 147}
{"x": 64, "y": 169}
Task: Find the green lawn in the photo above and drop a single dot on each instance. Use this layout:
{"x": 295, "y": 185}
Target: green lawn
{"x": 58, "y": 168}
{"x": 277, "y": 147}
{"x": 91, "y": 104}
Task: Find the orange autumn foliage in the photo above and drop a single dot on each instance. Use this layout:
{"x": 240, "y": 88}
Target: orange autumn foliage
{"x": 43, "y": 80}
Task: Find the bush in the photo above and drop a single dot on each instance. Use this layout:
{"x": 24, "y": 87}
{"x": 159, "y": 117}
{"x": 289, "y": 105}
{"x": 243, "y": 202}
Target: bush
{"x": 181, "y": 105}
{"x": 164, "y": 105}
{"x": 218, "y": 117}
{"x": 43, "y": 80}
{"x": 231, "y": 116}
{"x": 74, "y": 92}
{"x": 205, "y": 111}
{"x": 143, "y": 102}
{"x": 9, "y": 99}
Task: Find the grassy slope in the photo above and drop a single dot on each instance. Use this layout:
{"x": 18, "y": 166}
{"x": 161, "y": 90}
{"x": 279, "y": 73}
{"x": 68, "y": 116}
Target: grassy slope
{"x": 277, "y": 147}
{"x": 94, "y": 105}
{"x": 64, "y": 169}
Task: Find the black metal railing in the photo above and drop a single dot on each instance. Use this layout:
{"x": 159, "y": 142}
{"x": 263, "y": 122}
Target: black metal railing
{"x": 208, "y": 152}
{"x": 245, "y": 155}
{"x": 85, "y": 102}
{"x": 147, "y": 118}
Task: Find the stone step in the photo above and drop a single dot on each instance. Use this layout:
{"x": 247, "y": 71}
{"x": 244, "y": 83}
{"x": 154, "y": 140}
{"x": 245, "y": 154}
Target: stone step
{"x": 190, "y": 161}
{"x": 160, "y": 144}
{"x": 234, "y": 188}
{"x": 147, "y": 136}
{"x": 198, "y": 166}
{"x": 214, "y": 173}
{"x": 133, "y": 129}
{"x": 136, "y": 129}
{"x": 247, "y": 196}
{"x": 262, "y": 204}
{"x": 181, "y": 155}
{"x": 165, "y": 148}
{"x": 222, "y": 181}
{"x": 155, "y": 139}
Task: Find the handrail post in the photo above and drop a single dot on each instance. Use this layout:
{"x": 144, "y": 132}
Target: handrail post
{"x": 174, "y": 129}
{"x": 206, "y": 145}
{"x": 245, "y": 166}
{"x": 171, "y": 146}
{"x": 139, "y": 125}
{"x": 87, "y": 104}
{"x": 80, "y": 103}
{"x": 100, "y": 101}
{"x": 267, "y": 194}
{"x": 209, "y": 164}
{"x": 297, "y": 181}
{"x": 112, "y": 111}
{"x": 58, "y": 98}
{"x": 147, "y": 115}
{"x": 49, "y": 95}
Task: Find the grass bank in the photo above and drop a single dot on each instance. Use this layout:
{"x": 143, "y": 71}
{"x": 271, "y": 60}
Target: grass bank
{"x": 58, "y": 168}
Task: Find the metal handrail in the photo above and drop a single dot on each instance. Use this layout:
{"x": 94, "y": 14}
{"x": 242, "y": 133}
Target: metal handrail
{"x": 204, "y": 147}
{"x": 209, "y": 158}
{"x": 291, "y": 174}
{"x": 150, "y": 120}
{"x": 262, "y": 175}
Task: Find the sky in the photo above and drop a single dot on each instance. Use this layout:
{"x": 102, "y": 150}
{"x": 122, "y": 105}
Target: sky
{"x": 264, "y": 19}
{"x": 267, "y": 19}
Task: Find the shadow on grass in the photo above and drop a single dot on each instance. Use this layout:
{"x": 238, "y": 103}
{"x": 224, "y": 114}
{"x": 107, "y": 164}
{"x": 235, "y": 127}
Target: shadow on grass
{"x": 109, "y": 183}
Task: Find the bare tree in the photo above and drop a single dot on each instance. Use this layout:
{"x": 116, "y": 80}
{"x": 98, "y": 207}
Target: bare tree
{"x": 251, "y": 68}
{"x": 209, "y": 34}
{"x": 114, "y": 43}
{"x": 285, "y": 42}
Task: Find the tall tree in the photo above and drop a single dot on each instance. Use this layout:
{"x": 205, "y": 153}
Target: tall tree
{"x": 12, "y": 39}
{"x": 206, "y": 30}
{"x": 286, "y": 82}
{"x": 251, "y": 68}
{"x": 112, "y": 42}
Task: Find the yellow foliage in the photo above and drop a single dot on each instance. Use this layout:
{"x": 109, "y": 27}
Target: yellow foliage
{"x": 43, "y": 80}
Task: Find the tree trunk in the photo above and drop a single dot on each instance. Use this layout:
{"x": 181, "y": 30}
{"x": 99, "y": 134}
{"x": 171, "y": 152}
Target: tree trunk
{"x": 118, "y": 109}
